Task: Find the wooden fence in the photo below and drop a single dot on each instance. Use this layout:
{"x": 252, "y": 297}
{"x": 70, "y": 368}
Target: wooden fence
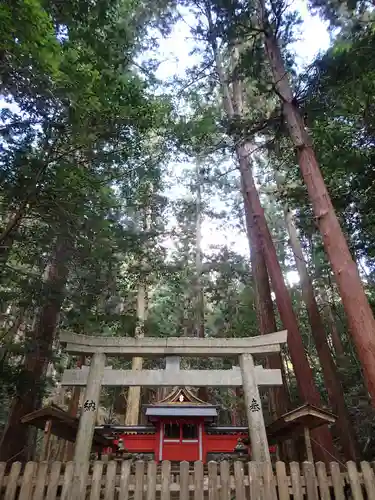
{"x": 216, "y": 481}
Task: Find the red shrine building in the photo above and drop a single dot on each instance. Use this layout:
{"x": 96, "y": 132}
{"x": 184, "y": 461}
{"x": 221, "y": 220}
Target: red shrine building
{"x": 181, "y": 427}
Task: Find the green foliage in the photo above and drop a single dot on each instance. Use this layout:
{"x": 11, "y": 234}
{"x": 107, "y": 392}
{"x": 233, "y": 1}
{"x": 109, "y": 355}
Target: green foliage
{"x": 28, "y": 44}
{"x": 76, "y": 140}
{"x": 339, "y": 111}
{"x": 347, "y": 14}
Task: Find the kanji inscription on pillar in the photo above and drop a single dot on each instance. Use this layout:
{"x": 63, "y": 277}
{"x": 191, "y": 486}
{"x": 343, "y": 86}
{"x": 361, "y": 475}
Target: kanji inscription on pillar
{"x": 89, "y": 405}
{"x": 254, "y": 405}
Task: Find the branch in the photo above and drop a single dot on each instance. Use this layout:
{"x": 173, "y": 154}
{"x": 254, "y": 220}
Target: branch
{"x": 20, "y": 213}
{"x": 199, "y": 6}
{"x": 27, "y": 123}
{"x": 181, "y": 17}
{"x": 278, "y": 13}
{"x": 16, "y": 219}
{"x": 198, "y": 77}
{"x": 227, "y": 172}
{"x": 19, "y": 123}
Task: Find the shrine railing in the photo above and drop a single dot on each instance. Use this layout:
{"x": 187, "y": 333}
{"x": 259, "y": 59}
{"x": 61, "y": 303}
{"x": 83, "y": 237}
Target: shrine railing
{"x": 215, "y": 481}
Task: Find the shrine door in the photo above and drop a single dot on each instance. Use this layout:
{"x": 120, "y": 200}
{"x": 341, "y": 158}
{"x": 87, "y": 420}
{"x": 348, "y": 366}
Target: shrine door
{"x": 181, "y": 440}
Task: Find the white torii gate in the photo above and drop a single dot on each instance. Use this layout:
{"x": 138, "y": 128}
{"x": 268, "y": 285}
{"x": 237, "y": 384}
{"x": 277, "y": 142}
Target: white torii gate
{"x": 248, "y": 375}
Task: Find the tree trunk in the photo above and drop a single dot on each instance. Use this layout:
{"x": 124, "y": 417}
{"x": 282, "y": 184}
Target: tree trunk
{"x": 234, "y": 420}
{"x": 360, "y": 317}
{"x": 7, "y": 234}
{"x": 264, "y": 307}
{"x": 6, "y": 242}
{"x": 304, "y": 376}
{"x": 14, "y": 442}
{"x": 240, "y": 406}
{"x": 199, "y": 298}
{"x": 335, "y": 336}
{"x": 14, "y": 222}
{"x": 279, "y": 397}
{"x": 134, "y": 393}
{"x": 199, "y": 309}
{"x": 5, "y": 248}
{"x": 330, "y": 374}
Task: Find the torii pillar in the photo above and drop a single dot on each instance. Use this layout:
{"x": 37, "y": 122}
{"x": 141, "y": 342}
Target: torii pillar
{"x": 86, "y": 426}
{"x": 257, "y": 430}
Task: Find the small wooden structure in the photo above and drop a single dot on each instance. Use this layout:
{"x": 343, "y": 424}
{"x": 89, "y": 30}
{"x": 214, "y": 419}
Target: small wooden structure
{"x": 63, "y": 425}
{"x": 300, "y": 421}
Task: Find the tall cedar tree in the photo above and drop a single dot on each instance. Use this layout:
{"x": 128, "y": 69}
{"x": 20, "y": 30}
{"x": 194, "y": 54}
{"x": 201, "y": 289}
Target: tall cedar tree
{"x": 199, "y": 297}
{"x": 13, "y": 445}
{"x": 330, "y": 372}
{"x": 305, "y": 381}
{"x": 279, "y": 396}
{"x": 360, "y": 317}
{"x": 264, "y": 305}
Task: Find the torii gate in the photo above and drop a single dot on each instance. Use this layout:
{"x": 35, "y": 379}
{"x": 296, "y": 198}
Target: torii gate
{"x": 248, "y": 375}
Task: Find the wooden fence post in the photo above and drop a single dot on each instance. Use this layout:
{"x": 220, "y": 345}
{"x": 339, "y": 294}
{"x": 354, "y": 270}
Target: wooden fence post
{"x": 257, "y": 430}
{"x": 309, "y": 452}
{"x": 46, "y": 441}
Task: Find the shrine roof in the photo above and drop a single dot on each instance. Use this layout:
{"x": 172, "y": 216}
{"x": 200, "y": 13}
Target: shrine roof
{"x": 181, "y": 402}
{"x": 293, "y": 422}
{"x": 182, "y": 396}
{"x": 63, "y": 425}
{"x": 181, "y": 411}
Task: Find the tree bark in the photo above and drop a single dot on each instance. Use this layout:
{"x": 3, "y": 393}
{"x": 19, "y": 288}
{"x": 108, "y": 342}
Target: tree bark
{"x": 264, "y": 306}
{"x": 5, "y": 249}
{"x": 279, "y": 397}
{"x": 14, "y": 442}
{"x": 9, "y": 234}
{"x": 335, "y": 336}
{"x": 360, "y": 317}
{"x": 199, "y": 298}
{"x": 14, "y": 222}
{"x": 330, "y": 374}
{"x": 307, "y": 389}
{"x": 304, "y": 376}
{"x": 199, "y": 309}
{"x": 134, "y": 393}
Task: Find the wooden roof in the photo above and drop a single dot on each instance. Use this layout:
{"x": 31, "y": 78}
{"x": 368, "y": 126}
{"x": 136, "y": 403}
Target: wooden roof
{"x": 63, "y": 425}
{"x": 293, "y": 422}
{"x": 181, "y": 402}
{"x": 181, "y": 396}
